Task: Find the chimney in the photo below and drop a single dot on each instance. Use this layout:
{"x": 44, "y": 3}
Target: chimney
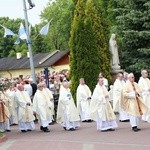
{"x": 18, "y": 55}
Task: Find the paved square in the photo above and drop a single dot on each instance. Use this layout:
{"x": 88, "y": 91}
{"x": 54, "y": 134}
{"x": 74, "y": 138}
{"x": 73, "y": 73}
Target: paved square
{"x": 85, "y": 138}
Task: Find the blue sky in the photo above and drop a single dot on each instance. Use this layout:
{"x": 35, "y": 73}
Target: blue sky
{"x": 14, "y": 9}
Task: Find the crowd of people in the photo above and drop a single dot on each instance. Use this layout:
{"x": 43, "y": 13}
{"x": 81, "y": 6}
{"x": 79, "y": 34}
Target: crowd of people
{"x": 22, "y": 102}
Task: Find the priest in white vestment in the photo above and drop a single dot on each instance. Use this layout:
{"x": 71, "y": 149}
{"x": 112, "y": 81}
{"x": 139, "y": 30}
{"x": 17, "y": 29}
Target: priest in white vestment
{"x": 50, "y": 98}
{"x": 132, "y": 102}
{"x": 144, "y": 84}
{"x": 83, "y": 96}
{"x": 42, "y": 107}
{"x": 104, "y": 80}
{"x": 25, "y": 110}
{"x": 4, "y": 114}
{"x": 101, "y": 110}
{"x": 67, "y": 113}
{"x": 117, "y": 90}
{"x": 11, "y": 94}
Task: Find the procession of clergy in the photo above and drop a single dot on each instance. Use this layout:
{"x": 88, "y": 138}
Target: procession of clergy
{"x": 127, "y": 98}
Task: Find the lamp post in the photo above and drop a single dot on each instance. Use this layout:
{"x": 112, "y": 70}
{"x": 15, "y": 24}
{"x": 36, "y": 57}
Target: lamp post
{"x": 29, "y": 42}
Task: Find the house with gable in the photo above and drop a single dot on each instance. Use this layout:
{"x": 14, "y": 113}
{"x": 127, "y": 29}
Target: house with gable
{"x": 16, "y": 66}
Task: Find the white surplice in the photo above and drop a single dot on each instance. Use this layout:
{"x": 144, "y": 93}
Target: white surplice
{"x": 50, "y": 98}
{"x": 101, "y": 110}
{"x": 13, "y": 104}
{"x": 144, "y": 84}
{"x": 67, "y": 113}
{"x": 83, "y": 103}
{"x": 117, "y": 89}
{"x": 25, "y": 112}
{"x": 42, "y": 107}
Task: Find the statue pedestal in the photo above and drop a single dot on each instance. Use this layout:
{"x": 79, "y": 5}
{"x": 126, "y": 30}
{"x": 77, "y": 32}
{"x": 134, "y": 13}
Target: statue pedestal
{"x": 114, "y": 71}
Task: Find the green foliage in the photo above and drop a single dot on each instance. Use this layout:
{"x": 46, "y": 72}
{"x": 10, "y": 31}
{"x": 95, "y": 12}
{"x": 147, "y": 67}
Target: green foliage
{"x": 7, "y": 46}
{"x": 61, "y": 13}
{"x": 100, "y": 28}
{"x": 39, "y": 44}
{"x": 133, "y": 27}
{"x": 6, "y": 43}
{"x": 75, "y": 1}
{"x": 103, "y": 8}
{"x": 75, "y": 44}
{"x": 88, "y": 45}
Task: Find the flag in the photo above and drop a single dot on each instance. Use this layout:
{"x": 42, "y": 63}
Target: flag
{"x": 7, "y": 32}
{"x": 22, "y": 33}
{"x": 44, "y": 30}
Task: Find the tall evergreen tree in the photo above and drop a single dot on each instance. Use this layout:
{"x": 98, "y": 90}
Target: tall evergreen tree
{"x": 133, "y": 26}
{"x": 77, "y": 43}
{"x": 103, "y": 9}
{"x": 88, "y": 45}
{"x": 100, "y": 28}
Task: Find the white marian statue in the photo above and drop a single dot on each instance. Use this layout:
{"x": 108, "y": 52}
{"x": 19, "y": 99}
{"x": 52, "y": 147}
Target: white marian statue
{"x": 114, "y": 50}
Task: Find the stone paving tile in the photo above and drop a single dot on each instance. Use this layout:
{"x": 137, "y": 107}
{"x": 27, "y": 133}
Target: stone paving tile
{"x": 85, "y": 138}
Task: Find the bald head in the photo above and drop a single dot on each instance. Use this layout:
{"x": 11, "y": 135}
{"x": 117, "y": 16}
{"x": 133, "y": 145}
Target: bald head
{"x": 144, "y": 73}
{"x": 120, "y": 76}
{"x": 66, "y": 84}
{"x": 82, "y": 82}
{"x": 131, "y": 77}
{"x": 20, "y": 87}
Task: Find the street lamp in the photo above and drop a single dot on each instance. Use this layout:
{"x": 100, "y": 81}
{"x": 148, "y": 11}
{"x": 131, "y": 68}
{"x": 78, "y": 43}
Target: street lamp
{"x": 31, "y": 4}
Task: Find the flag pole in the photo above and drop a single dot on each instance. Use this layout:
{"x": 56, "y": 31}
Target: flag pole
{"x": 29, "y": 42}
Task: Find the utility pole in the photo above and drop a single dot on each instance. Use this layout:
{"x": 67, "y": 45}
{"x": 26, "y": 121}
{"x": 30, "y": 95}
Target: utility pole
{"x": 29, "y": 41}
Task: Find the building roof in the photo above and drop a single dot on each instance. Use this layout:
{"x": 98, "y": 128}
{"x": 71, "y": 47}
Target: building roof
{"x": 40, "y": 60}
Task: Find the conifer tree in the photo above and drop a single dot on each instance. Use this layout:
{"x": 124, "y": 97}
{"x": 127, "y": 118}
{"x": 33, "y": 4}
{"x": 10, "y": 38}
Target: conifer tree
{"x": 100, "y": 28}
{"x": 87, "y": 43}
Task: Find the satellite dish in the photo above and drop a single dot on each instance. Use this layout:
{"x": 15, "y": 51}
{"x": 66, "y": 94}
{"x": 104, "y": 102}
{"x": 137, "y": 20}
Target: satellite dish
{"x": 31, "y": 4}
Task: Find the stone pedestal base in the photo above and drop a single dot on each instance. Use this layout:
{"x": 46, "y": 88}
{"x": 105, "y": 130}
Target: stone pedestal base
{"x": 116, "y": 67}
{"x": 114, "y": 71}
